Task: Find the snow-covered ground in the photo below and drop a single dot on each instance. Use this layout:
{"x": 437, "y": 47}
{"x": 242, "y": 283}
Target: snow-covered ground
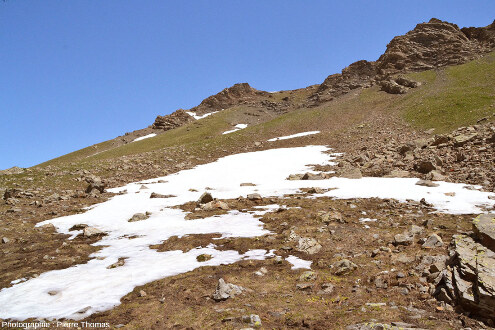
{"x": 144, "y": 137}
{"x": 298, "y": 263}
{"x": 293, "y": 136}
{"x": 197, "y": 117}
{"x": 81, "y": 290}
{"x": 237, "y": 127}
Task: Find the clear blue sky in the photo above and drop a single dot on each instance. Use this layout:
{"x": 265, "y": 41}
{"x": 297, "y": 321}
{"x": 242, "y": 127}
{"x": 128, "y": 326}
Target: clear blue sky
{"x": 74, "y": 73}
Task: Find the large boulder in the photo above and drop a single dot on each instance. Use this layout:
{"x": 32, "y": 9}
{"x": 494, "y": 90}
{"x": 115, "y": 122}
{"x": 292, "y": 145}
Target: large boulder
{"x": 94, "y": 182}
{"x": 484, "y": 229}
{"x": 469, "y": 278}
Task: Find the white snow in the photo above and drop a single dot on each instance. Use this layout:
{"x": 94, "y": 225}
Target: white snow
{"x": 144, "y": 137}
{"x": 366, "y": 220}
{"x": 93, "y": 285}
{"x": 298, "y": 263}
{"x": 237, "y": 127}
{"x": 293, "y": 136}
{"x": 198, "y": 117}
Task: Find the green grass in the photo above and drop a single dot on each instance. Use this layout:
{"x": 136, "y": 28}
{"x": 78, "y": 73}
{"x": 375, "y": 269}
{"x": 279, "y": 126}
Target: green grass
{"x": 454, "y": 97}
{"x": 448, "y": 98}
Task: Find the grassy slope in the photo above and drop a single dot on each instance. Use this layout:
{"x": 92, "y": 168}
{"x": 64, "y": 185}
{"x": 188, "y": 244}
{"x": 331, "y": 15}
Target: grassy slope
{"x": 449, "y": 98}
{"x": 457, "y": 96}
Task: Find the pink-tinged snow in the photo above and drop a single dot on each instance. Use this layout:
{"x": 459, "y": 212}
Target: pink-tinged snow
{"x": 298, "y": 263}
{"x": 293, "y": 136}
{"x": 144, "y": 137}
{"x": 237, "y": 128}
{"x": 198, "y": 117}
{"x": 91, "y": 287}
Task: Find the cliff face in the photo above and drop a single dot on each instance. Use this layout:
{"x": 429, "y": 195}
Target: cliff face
{"x": 428, "y": 46}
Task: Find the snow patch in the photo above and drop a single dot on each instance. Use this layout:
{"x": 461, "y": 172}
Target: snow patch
{"x": 81, "y": 290}
{"x": 237, "y": 127}
{"x": 298, "y": 263}
{"x": 293, "y": 136}
{"x": 144, "y": 137}
{"x": 198, "y": 117}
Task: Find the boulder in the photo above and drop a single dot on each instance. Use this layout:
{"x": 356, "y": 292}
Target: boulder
{"x": 351, "y": 173}
{"x": 433, "y": 241}
{"x": 94, "y": 182}
{"x": 424, "y": 167}
{"x": 308, "y": 245}
{"x": 225, "y": 290}
{"x": 139, "y": 217}
{"x": 392, "y": 87}
{"x": 205, "y": 198}
{"x": 214, "y": 205}
{"x": 92, "y": 232}
{"x": 403, "y": 239}
{"x": 254, "y": 197}
{"x": 470, "y": 279}
{"x": 427, "y": 183}
{"x": 484, "y": 229}
{"x": 344, "y": 266}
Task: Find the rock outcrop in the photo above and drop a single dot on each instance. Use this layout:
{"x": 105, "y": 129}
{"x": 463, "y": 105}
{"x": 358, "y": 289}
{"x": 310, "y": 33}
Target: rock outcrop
{"x": 228, "y": 97}
{"x": 468, "y": 280}
{"x": 428, "y": 46}
{"x": 175, "y": 119}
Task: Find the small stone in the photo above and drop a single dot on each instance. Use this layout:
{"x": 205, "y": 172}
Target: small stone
{"x": 205, "y": 198}
{"x": 402, "y": 239}
{"x": 138, "y": 217}
{"x": 304, "y": 286}
{"x": 254, "y": 197}
{"x": 433, "y": 241}
{"x": 327, "y": 288}
{"x": 253, "y": 320}
{"x": 308, "y": 245}
{"x": 5, "y": 240}
{"x": 203, "y": 257}
{"x": 344, "y": 267}
{"x": 92, "y": 231}
{"x": 427, "y": 183}
{"x": 142, "y": 293}
{"x": 225, "y": 290}
{"x": 307, "y": 276}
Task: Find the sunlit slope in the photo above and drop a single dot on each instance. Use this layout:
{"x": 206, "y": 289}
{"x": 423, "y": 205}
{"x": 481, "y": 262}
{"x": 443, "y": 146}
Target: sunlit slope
{"x": 448, "y": 98}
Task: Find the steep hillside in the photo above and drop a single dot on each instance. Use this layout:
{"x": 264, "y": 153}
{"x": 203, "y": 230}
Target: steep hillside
{"x": 345, "y": 205}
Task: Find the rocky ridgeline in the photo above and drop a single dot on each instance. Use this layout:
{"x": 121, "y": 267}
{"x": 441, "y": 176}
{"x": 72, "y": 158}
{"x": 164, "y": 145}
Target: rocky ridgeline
{"x": 430, "y": 45}
{"x": 465, "y": 155}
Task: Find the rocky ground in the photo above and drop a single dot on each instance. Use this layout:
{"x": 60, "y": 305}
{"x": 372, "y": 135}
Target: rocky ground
{"x": 410, "y": 268}
{"x": 397, "y": 270}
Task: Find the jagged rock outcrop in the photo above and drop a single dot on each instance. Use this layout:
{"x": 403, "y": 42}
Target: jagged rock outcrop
{"x": 357, "y": 75}
{"x": 175, "y": 119}
{"x": 468, "y": 280}
{"x": 432, "y": 45}
{"x": 429, "y": 45}
{"x": 237, "y": 94}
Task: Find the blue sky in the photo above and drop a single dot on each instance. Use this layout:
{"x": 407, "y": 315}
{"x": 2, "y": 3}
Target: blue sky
{"x": 74, "y": 73}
